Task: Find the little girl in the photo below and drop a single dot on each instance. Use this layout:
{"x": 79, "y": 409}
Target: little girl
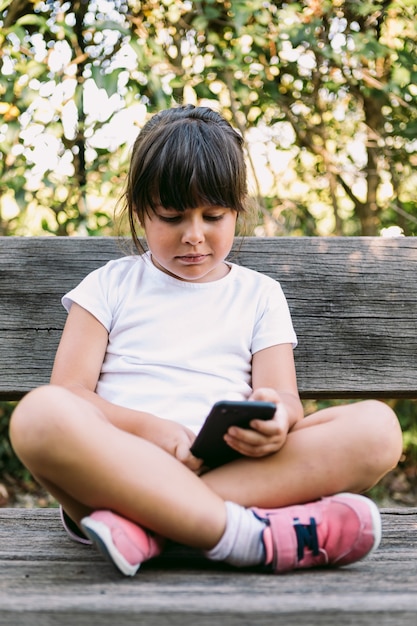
{"x": 151, "y": 342}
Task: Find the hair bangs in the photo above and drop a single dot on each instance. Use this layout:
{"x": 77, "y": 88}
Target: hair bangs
{"x": 183, "y": 158}
{"x": 193, "y": 169}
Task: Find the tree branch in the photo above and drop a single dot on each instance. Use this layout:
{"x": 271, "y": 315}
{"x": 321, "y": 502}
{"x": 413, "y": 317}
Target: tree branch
{"x": 16, "y": 10}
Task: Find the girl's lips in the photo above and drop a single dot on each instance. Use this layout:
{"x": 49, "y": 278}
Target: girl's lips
{"x": 192, "y": 258}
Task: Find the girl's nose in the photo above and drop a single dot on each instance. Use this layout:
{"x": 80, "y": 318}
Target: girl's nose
{"x": 193, "y": 231}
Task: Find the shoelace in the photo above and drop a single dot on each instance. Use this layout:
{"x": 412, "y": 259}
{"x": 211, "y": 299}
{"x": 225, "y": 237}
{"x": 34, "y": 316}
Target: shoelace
{"x": 306, "y": 537}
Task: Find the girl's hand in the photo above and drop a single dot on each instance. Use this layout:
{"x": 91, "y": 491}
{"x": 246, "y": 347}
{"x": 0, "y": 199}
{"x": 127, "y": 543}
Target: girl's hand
{"x": 174, "y": 439}
{"x": 264, "y": 437}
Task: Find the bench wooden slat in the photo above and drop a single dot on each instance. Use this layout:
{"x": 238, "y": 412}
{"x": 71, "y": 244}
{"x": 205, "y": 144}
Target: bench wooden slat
{"x": 353, "y": 302}
{"x": 45, "y": 579}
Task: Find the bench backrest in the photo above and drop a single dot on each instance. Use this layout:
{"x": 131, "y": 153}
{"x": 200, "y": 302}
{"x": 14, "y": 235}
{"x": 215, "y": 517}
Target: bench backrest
{"x": 353, "y": 301}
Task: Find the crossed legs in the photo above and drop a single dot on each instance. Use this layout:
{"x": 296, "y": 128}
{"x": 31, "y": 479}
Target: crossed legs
{"x": 88, "y": 464}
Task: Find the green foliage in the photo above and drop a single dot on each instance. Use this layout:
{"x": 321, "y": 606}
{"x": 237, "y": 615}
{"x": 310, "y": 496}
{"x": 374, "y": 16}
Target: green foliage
{"x": 406, "y": 411}
{"x": 324, "y": 93}
{"x": 9, "y": 463}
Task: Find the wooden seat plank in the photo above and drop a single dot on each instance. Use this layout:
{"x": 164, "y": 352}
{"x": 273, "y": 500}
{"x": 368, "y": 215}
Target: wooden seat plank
{"x": 353, "y": 303}
{"x": 45, "y": 576}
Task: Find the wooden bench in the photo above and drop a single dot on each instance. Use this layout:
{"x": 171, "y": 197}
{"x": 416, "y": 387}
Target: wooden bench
{"x": 354, "y": 307}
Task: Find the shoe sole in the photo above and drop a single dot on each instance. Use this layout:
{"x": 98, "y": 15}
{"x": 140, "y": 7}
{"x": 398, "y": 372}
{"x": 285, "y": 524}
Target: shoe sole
{"x": 100, "y": 535}
{"x": 375, "y": 515}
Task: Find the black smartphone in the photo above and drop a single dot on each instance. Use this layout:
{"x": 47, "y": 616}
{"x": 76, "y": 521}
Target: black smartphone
{"x": 209, "y": 444}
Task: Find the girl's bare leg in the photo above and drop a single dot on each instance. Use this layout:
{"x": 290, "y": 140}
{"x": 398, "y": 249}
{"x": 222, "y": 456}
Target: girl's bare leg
{"x": 87, "y": 463}
{"x": 343, "y": 448}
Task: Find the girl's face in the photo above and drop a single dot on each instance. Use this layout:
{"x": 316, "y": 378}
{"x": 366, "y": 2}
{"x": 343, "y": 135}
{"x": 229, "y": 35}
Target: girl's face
{"x": 191, "y": 245}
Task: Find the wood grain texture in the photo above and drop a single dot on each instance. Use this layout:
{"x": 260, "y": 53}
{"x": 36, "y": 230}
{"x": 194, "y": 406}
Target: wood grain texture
{"x": 45, "y": 579}
{"x": 353, "y": 302}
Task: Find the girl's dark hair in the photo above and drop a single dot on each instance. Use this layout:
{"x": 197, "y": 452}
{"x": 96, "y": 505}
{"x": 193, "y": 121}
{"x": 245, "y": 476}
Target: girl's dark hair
{"x": 185, "y": 157}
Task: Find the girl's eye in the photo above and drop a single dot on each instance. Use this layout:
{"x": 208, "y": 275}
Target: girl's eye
{"x": 175, "y": 219}
{"x": 213, "y": 218}
{"x": 171, "y": 220}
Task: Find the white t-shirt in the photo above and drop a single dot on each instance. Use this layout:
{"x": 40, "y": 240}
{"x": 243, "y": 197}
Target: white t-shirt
{"x": 177, "y": 347}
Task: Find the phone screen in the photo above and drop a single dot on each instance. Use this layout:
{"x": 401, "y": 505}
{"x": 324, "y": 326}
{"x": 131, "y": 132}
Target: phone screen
{"x": 209, "y": 444}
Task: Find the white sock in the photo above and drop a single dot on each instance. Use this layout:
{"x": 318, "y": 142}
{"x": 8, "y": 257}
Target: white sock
{"x": 241, "y": 544}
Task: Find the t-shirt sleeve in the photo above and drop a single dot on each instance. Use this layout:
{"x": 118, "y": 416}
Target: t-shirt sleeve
{"x": 274, "y": 324}
{"x": 93, "y": 294}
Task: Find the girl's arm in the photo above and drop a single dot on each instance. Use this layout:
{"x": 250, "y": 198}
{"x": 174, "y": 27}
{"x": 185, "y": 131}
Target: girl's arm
{"x": 274, "y": 369}
{"x": 273, "y": 380}
{"x": 77, "y": 367}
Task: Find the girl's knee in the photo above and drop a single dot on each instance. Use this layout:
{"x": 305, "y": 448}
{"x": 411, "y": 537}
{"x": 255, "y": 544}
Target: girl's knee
{"x": 390, "y": 437}
{"x": 383, "y": 419}
{"x": 376, "y": 424}
{"x": 32, "y": 421}
{"x": 383, "y": 439}
{"x": 370, "y": 431}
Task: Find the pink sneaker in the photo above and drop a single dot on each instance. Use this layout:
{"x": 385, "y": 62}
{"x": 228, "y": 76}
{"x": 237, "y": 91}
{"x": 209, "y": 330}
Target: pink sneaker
{"x": 334, "y": 531}
{"x": 122, "y": 542}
